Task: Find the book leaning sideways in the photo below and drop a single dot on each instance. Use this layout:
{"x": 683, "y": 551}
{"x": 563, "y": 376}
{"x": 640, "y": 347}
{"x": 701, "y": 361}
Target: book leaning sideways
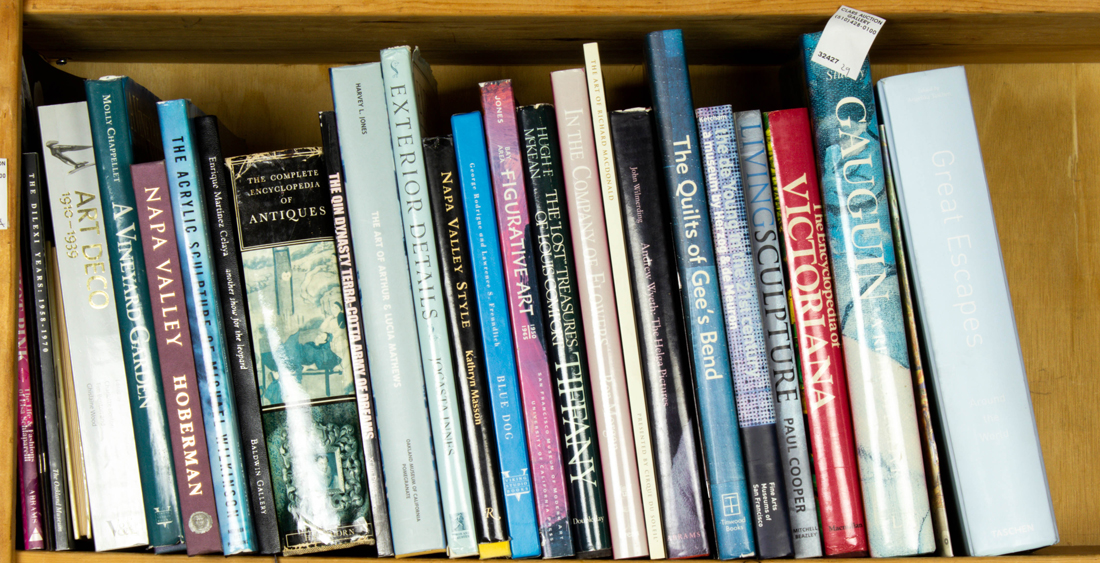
{"x": 106, "y": 429}
{"x": 994, "y": 463}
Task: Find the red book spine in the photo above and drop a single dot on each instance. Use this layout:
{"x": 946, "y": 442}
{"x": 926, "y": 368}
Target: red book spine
{"x": 823, "y": 376}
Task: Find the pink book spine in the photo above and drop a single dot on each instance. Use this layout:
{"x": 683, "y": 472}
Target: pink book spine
{"x": 33, "y": 537}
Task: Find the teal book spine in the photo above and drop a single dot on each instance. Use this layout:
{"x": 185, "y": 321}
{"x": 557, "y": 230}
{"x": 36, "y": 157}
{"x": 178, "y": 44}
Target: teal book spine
{"x": 207, "y": 334}
{"x": 876, "y": 353}
{"x": 409, "y": 90}
{"x": 124, "y": 131}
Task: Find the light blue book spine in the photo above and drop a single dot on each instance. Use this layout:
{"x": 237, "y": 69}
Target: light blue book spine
{"x": 496, "y": 333}
{"x": 409, "y": 84}
{"x": 876, "y": 353}
{"x": 208, "y": 336}
{"x": 393, "y": 352}
{"x": 975, "y": 363}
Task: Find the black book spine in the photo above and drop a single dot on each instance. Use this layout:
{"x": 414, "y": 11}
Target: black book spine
{"x": 568, "y": 360}
{"x": 669, "y": 389}
{"x": 462, "y": 320}
{"x": 36, "y": 231}
{"x": 222, "y": 214}
{"x": 357, "y": 344}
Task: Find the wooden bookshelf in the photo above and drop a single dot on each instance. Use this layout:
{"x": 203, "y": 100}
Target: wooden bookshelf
{"x": 261, "y": 65}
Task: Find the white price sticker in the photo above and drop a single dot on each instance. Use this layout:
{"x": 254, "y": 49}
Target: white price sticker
{"x": 4, "y": 193}
{"x": 846, "y": 40}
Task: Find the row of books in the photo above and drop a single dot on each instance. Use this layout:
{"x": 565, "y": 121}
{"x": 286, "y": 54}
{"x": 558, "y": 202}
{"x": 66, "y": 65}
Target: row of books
{"x": 535, "y": 336}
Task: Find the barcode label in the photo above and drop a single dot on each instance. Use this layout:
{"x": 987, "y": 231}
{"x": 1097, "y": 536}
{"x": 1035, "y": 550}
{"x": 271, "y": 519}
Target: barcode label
{"x": 846, "y": 40}
{"x": 4, "y": 193}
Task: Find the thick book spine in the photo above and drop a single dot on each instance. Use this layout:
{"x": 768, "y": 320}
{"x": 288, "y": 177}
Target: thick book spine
{"x": 895, "y": 498}
{"x": 564, "y": 329}
{"x": 824, "y": 379}
{"x": 496, "y": 334}
{"x": 124, "y": 130}
{"x": 525, "y": 307}
{"x": 30, "y": 498}
{"x": 463, "y": 322}
{"x": 685, "y": 188}
{"x": 106, "y": 429}
{"x": 300, "y": 345}
{"x": 357, "y": 345}
{"x": 208, "y": 340}
{"x": 975, "y": 364}
{"x": 745, "y": 329}
{"x": 409, "y": 85}
{"x": 393, "y": 354}
{"x": 779, "y": 345}
{"x": 665, "y": 365}
{"x": 194, "y": 480}
{"x": 55, "y": 487}
{"x": 227, "y": 265}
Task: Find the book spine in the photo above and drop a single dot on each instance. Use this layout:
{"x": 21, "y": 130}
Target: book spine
{"x": 207, "y": 332}
{"x": 405, "y": 82}
{"x": 566, "y": 334}
{"x": 123, "y": 114}
{"x": 463, "y": 322}
{"x": 30, "y": 499}
{"x": 771, "y": 287}
{"x": 664, "y": 352}
{"x": 357, "y": 346}
{"x": 496, "y": 334}
{"x": 109, "y": 452}
{"x": 396, "y": 374}
{"x": 624, "y": 302}
{"x": 895, "y": 498}
{"x": 194, "y": 480}
{"x": 525, "y": 308}
{"x": 685, "y": 188}
{"x": 55, "y": 487}
{"x": 227, "y": 264}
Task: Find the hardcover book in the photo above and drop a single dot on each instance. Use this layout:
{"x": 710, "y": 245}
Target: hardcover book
{"x": 895, "y": 498}
{"x": 30, "y": 498}
{"x": 752, "y": 387}
{"x": 685, "y": 190}
{"x": 824, "y": 378}
{"x": 194, "y": 481}
{"x": 565, "y": 329}
{"x": 665, "y": 364}
{"x": 300, "y": 348}
{"x": 496, "y": 334}
{"x": 975, "y": 365}
{"x": 525, "y": 308}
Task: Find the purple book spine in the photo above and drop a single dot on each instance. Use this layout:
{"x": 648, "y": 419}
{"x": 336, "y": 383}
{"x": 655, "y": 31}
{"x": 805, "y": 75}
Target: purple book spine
{"x": 33, "y": 536}
{"x": 525, "y": 309}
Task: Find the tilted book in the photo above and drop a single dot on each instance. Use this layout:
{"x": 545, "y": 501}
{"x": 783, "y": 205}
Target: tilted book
{"x": 187, "y": 429}
{"x": 752, "y": 387}
{"x": 824, "y": 379}
{"x": 779, "y": 344}
{"x": 27, "y": 446}
{"x": 397, "y": 378}
{"x": 564, "y": 328}
{"x": 665, "y": 365}
{"x": 94, "y": 344}
{"x": 208, "y": 340}
{"x": 975, "y": 365}
{"x": 475, "y": 393}
{"x": 525, "y": 308}
{"x": 300, "y": 347}
{"x": 496, "y": 334}
{"x": 409, "y": 89}
{"x": 884, "y": 414}
{"x": 685, "y": 192}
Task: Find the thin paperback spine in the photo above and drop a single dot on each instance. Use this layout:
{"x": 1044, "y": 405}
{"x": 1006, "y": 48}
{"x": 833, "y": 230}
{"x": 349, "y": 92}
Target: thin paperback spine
{"x": 665, "y": 363}
{"x": 463, "y": 322}
{"x": 895, "y": 497}
{"x": 771, "y": 287}
{"x": 824, "y": 379}
{"x": 564, "y": 329}
{"x": 685, "y": 188}
{"x": 30, "y": 498}
{"x": 525, "y": 308}
{"x": 496, "y": 334}
{"x": 207, "y": 332}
